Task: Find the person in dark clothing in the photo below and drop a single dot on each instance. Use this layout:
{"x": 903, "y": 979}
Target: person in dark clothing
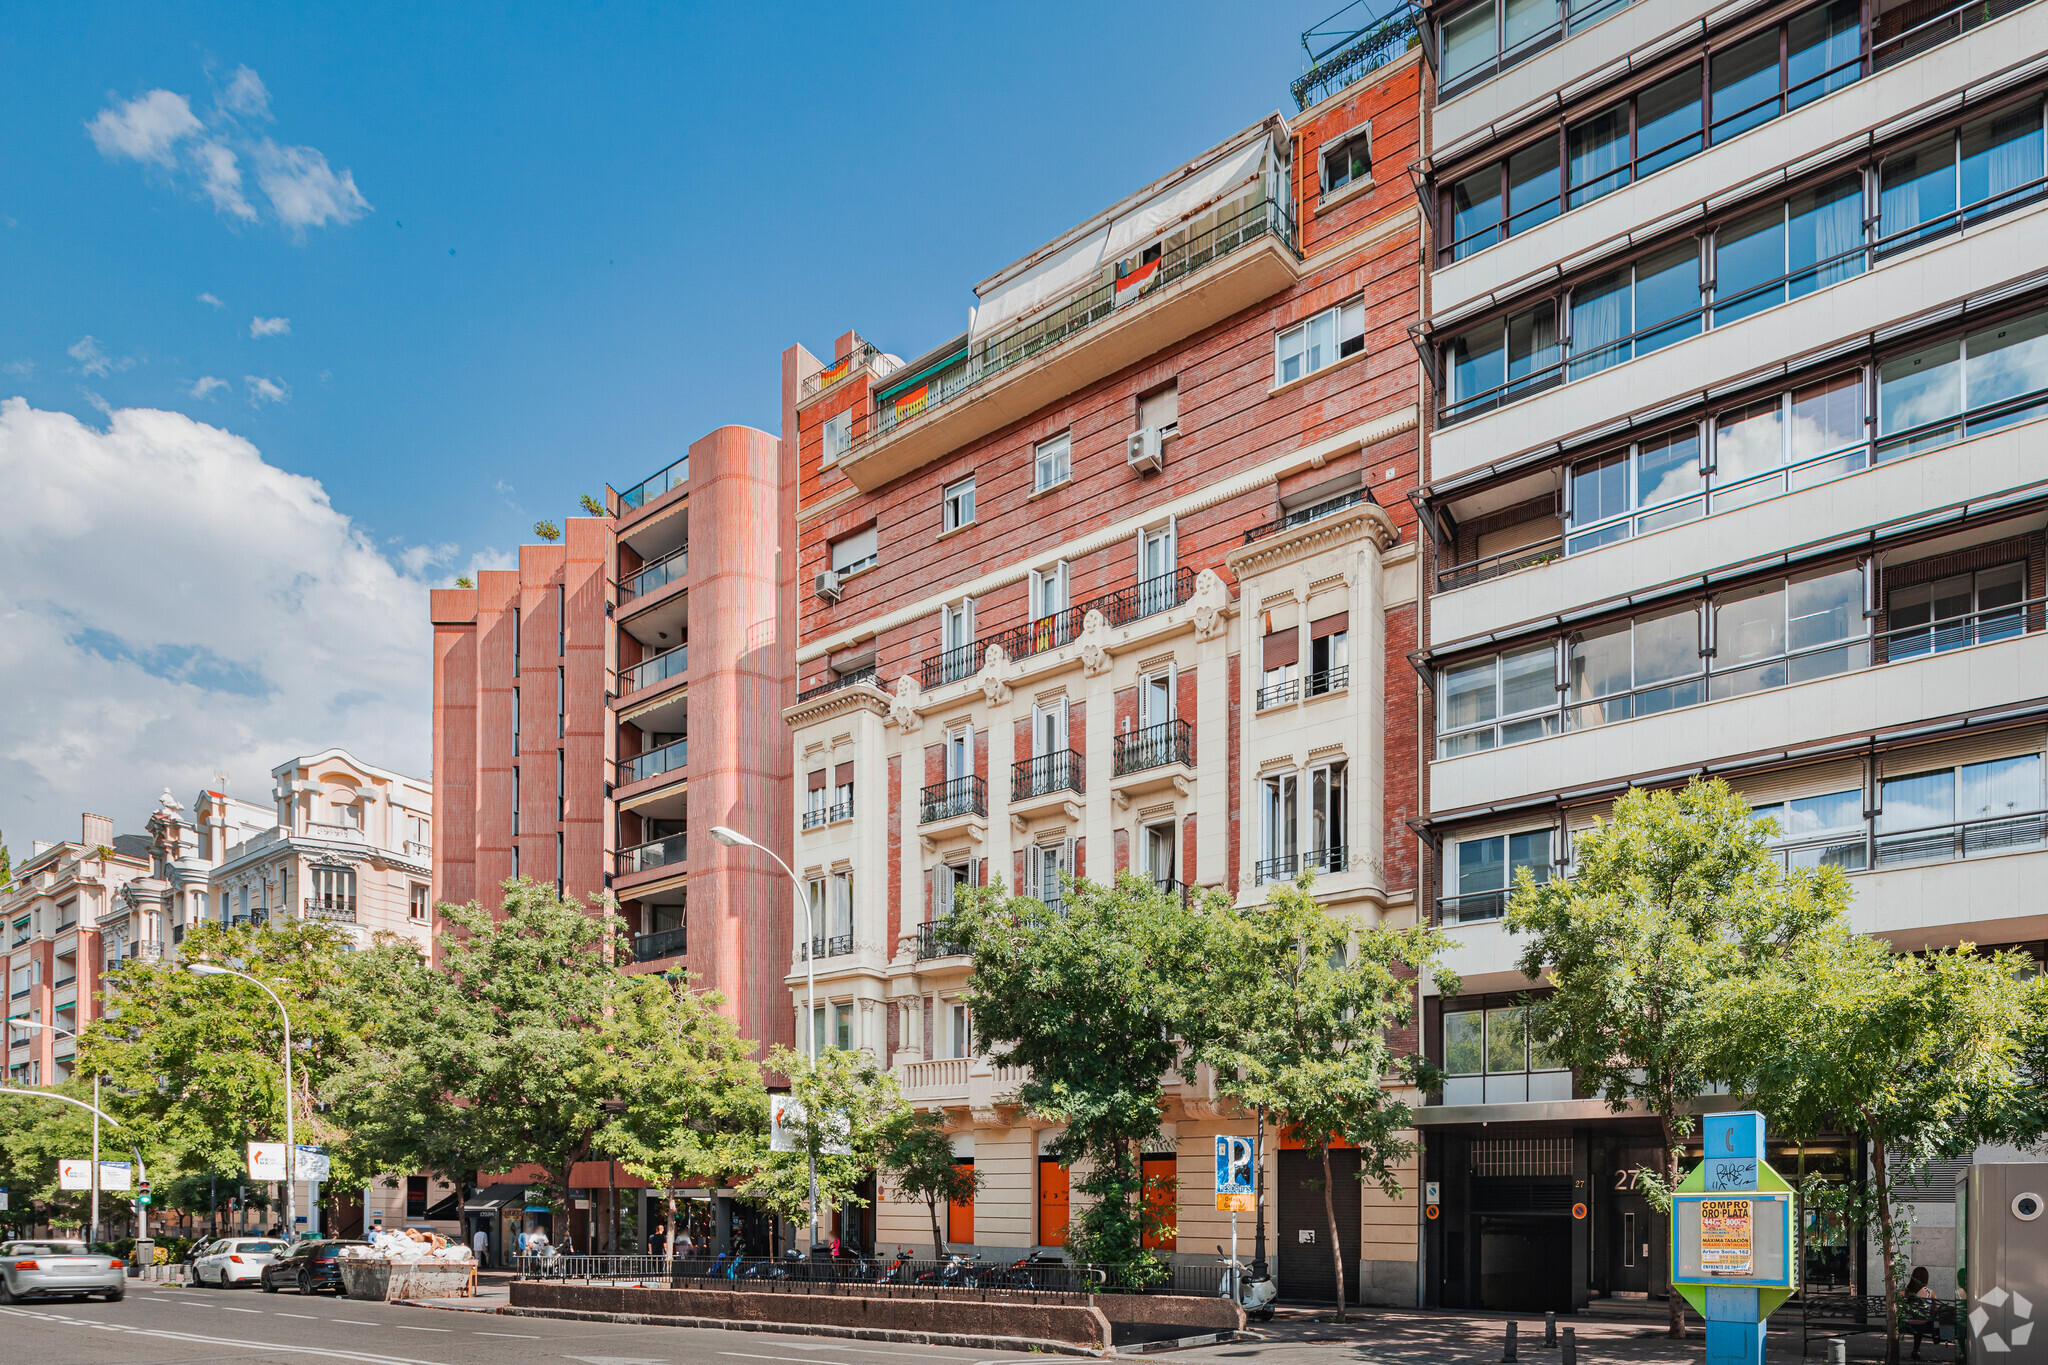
{"x": 1916, "y": 1315}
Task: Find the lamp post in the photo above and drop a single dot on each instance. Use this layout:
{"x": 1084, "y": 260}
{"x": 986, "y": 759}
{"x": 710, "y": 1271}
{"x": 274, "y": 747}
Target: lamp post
{"x": 291, "y": 1147}
{"x": 94, "y": 1236}
{"x": 732, "y": 838}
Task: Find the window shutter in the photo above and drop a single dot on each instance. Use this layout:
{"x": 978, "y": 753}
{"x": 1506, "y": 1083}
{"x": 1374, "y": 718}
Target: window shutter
{"x": 843, "y": 775}
{"x": 1329, "y": 625}
{"x": 818, "y": 780}
{"x": 931, "y": 894}
{"x": 1283, "y": 647}
{"x": 977, "y": 871}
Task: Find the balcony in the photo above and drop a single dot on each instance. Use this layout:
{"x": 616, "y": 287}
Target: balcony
{"x": 647, "y": 490}
{"x": 655, "y": 946}
{"x": 1494, "y": 566}
{"x": 658, "y": 573}
{"x": 670, "y": 663}
{"x": 1286, "y": 867}
{"x": 931, "y": 943}
{"x": 1119, "y": 608}
{"x": 860, "y": 360}
{"x": 1278, "y": 694}
{"x": 668, "y": 758}
{"x": 1303, "y": 516}
{"x": 663, "y": 852}
{"x": 1324, "y": 683}
{"x": 1040, "y": 781}
{"x": 961, "y": 798}
{"x": 336, "y": 909}
{"x": 1242, "y": 260}
{"x": 349, "y": 834}
{"x": 823, "y": 689}
{"x": 936, "y": 1081}
{"x": 1167, "y": 744}
{"x": 61, "y": 982}
{"x": 833, "y": 945}
{"x": 417, "y": 850}
{"x": 820, "y": 816}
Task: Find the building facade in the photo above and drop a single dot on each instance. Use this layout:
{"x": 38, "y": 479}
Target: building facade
{"x": 1739, "y": 338}
{"x": 1122, "y": 578}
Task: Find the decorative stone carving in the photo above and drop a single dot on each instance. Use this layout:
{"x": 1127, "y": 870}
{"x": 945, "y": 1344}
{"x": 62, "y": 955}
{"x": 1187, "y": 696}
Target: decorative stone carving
{"x": 1095, "y": 658}
{"x": 991, "y": 683}
{"x": 1211, "y": 602}
{"x": 903, "y": 704}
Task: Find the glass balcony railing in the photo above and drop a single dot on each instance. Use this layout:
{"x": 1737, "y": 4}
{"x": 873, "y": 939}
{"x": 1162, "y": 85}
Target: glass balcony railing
{"x": 657, "y": 573}
{"x": 652, "y": 854}
{"x": 647, "y": 490}
{"x": 665, "y": 943}
{"x": 654, "y": 762}
{"x": 667, "y": 664}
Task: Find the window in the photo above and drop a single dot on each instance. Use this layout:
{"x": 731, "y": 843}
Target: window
{"x": 1280, "y": 664}
{"x": 959, "y": 1032}
{"x": 1638, "y": 309}
{"x": 1047, "y": 589}
{"x": 1329, "y": 655}
{"x": 1327, "y": 828}
{"x": 1049, "y": 728}
{"x": 1158, "y": 587}
{"x": 561, "y": 621}
{"x": 1788, "y": 631}
{"x": 1968, "y": 809}
{"x": 1044, "y": 865}
{"x": 1782, "y": 444}
{"x": 1489, "y": 1058}
{"x": 515, "y": 643}
{"x": 334, "y": 888}
{"x": 1347, "y": 160}
{"x": 959, "y": 505}
{"x": 837, "y": 438}
{"x": 561, "y": 789}
{"x": 1052, "y": 464}
{"x": 852, "y": 553}
{"x": 956, "y": 641}
{"x": 959, "y": 753}
{"x": 842, "y": 792}
{"x": 558, "y": 863}
{"x": 1279, "y": 833}
{"x": 1955, "y": 612}
{"x": 832, "y": 1026}
{"x": 1501, "y": 699}
{"x": 1320, "y": 342}
{"x": 1486, "y": 38}
{"x": 950, "y": 880}
{"x": 814, "y": 913}
{"x": 1157, "y": 849}
{"x": 817, "y": 800}
{"x": 1964, "y": 386}
{"x": 839, "y": 928}
{"x": 1788, "y": 250}
{"x": 1160, "y": 410}
{"x": 515, "y": 801}
{"x": 1812, "y": 830}
{"x": 1510, "y": 196}
{"x": 1487, "y": 870}
{"x": 561, "y": 702}
{"x": 1501, "y": 360}
{"x": 515, "y": 722}
{"x": 418, "y": 903}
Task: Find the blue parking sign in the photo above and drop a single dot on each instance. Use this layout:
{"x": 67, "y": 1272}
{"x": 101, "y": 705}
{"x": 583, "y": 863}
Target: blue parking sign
{"x": 1233, "y": 1165}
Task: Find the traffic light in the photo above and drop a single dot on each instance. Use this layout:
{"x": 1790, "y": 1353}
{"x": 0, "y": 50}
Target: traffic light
{"x": 142, "y": 1192}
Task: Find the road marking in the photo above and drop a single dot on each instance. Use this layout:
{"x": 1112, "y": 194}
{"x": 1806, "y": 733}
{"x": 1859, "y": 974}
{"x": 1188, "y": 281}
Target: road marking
{"x": 403, "y": 1328}
{"x": 523, "y": 1336}
{"x": 356, "y": 1322}
{"x": 307, "y": 1316}
{"x": 332, "y": 1353}
{"x": 257, "y": 1311}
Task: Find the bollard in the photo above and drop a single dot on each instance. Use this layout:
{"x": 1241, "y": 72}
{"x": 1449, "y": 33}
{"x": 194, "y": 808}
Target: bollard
{"x": 1507, "y": 1351}
{"x": 1550, "y": 1329}
{"x": 1571, "y": 1347}
{"x": 1838, "y": 1351}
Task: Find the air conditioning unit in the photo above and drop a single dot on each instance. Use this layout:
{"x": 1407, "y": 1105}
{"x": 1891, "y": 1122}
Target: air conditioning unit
{"x": 1145, "y": 451}
{"x": 827, "y": 585}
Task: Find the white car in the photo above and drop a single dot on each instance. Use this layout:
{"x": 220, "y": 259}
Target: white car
{"x": 235, "y": 1260}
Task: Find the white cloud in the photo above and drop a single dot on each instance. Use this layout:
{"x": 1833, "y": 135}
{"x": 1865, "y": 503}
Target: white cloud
{"x": 171, "y": 605}
{"x": 270, "y": 327}
{"x": 93, "y": 359}
{"x": 24, "y": 369}
{"x": 246, "y": 94}
{"x": 263, "y": 390}
{"x": 220, "y": 175}
{"x": 205, "y": 156}
{"x": 209, "y": 299}
{"x": 206, "y": 386}
{"x": 304, "y": 190}
{"x": 146, "y": 128}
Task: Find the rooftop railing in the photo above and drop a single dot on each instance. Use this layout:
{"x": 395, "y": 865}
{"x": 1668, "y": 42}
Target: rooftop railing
{"x": 1119, "y": 608}
{"x": 647, "y": 490}
{"x": 858, "y": 360}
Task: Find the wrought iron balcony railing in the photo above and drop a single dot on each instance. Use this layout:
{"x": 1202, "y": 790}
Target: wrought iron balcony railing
{"x": 932, "y": 942}
{"x": 834, "y": 945}
{"x": 1155, "y": 746}
{"x": 1046, "y": 774}
{"x": 961, "y": 796}
{"x": 859, "y": 675}
{"x": 1134, "y": 603}
{"x": 1304, "y": 515}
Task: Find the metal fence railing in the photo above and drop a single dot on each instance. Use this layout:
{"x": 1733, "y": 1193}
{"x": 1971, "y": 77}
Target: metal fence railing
{"x": 1037, "y": 1275}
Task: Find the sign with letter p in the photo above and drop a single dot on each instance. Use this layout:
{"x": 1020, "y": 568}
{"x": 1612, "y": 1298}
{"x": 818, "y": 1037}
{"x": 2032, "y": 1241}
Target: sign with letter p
{"x": 1233, "y": 1165}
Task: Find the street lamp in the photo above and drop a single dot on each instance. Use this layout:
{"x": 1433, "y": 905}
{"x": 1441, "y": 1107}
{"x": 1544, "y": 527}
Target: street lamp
{"x": 94, "y": 1106}
{"x": 291, "y": 1148}
{"x": 732, "y": 838}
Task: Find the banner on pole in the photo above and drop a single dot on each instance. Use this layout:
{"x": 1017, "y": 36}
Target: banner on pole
{"x": 266, "y": 1161}
{"x": 785, "y": 1122}
{"x": 74, "y": 1175}
{"x": 116, "y": 1175}
{"x": 313, "y": 1164}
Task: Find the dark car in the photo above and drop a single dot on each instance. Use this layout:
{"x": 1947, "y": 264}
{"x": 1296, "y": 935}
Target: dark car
{"x": 309, "y": 1268}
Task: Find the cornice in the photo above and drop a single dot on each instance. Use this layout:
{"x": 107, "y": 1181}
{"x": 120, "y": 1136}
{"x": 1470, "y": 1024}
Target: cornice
{"x": 1300, "y": 542}
{"x": 853, "y": 697}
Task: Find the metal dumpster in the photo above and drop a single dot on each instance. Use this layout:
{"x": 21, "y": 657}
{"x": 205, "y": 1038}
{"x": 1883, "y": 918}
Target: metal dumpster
{"x": 367, "y": 1278}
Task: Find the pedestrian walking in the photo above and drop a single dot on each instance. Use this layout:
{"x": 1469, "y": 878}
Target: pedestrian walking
{"x": 482, "y": 1245}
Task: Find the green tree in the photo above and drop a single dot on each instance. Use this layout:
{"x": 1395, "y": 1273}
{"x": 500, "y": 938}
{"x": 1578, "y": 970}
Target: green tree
{"x": 1297, "y": 1012}
{"x": 1087, "y": 998}
{"x": 687, "y": 1092}
{"x": 592, "y": 506}
{"x": 1678, "y": 895}
{"x": 547, "y": 530}
{"x": 919, "y": 1164}
{"x": 195, "y": 1065}
{"x": 35, "y": 1135}
{"x": 849, "y": 1105}
{"x": 1925, "y": 1056}
{"x": 488, "y": 1061}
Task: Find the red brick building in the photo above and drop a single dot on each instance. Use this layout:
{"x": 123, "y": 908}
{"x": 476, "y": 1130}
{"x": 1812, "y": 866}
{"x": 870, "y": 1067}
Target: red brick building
{"x": 1122, "y": 577}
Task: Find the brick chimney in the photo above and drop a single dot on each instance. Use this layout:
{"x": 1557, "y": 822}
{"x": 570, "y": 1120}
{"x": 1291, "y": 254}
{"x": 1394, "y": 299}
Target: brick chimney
{"x": 94, "y": 830}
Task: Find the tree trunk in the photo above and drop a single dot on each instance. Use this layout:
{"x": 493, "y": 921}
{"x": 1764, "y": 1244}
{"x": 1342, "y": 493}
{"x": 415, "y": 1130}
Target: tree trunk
{"x": 1336, "y": 1236}
{"x": 1674, "y": 1301}
{"x": 931, "y": 1202}
{"x": 675, "y": 1270}
{"x": 1885, "y": 1234}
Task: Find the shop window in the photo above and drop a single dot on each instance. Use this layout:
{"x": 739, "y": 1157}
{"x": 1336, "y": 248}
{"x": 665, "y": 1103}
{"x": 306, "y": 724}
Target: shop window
{"x": 1489, "y": 1058}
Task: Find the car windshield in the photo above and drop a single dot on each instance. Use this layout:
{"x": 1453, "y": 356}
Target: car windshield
{"x": 46, "y": 1249}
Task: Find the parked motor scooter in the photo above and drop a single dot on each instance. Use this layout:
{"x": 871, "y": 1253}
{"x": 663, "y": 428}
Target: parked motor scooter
{"x": 1255, "y": 1290}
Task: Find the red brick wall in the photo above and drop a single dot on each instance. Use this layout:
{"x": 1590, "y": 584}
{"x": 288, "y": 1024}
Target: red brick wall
{"x": 1235, "y": 764}
{"x": 1122, "y": 850}
{"x": 895, "y": 910}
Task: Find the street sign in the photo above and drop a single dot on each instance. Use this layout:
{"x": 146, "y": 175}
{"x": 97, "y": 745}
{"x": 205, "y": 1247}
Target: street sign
{"x": 74, "y": 1175}
{"x": 313, "y": 1164}
{"x": 266, "y": 1161}
{"x": 1732, "y": 1224}
{"x": 1234, "y": 1189}
{"x": 3, "y": 1199}
{"x": 1432, "y": 1192}
{"x": 116, "y": 1175}
{"x": 786, "y": 1114}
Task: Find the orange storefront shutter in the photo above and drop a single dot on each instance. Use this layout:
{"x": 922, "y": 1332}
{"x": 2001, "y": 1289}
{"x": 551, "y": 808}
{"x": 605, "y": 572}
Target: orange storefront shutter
{"x": 1052, "y": 1203}
{"x": 960, "y": 1212}
{"x": 1162, "y": 1200}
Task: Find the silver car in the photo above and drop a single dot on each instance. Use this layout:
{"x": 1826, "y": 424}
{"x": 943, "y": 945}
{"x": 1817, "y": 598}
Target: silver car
{"x": 234, "y": 1260}
{"x": 36, "y": 1269}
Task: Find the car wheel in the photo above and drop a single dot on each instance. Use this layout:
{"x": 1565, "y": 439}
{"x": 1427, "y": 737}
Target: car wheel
{"x": 268, "y": 1287}
{"x": 115, "y": 1295}
{"x": 6, "y": 1291}
{"x": 305, "y": 1282}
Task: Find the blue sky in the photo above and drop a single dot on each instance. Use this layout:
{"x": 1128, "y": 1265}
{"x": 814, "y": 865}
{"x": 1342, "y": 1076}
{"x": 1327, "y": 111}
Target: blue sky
{"x": 478, "y": 261}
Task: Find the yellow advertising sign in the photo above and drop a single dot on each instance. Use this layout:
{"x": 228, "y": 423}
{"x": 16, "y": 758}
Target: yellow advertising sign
{"x": 1727, "y": 1237}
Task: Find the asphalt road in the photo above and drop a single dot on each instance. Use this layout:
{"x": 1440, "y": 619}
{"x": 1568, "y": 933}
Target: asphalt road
{"x": 171, "y": 1326}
